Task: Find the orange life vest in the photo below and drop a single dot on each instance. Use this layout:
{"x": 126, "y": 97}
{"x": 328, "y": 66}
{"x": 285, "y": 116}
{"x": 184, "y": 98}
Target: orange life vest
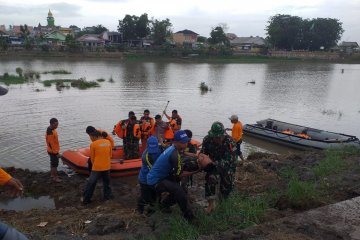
{"x": 287, "y": 132}
{"x": 303, "y": 135}
{"x": 120, "y": 127}
{"x": 146, "y": 126}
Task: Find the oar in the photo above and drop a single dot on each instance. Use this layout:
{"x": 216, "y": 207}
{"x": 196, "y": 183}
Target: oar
{"x": 3, "y": 91}
{"x": 165, "y": 109}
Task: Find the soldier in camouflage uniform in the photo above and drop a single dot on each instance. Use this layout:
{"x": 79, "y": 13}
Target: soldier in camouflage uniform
{"x": 222, "y": 150}
{"x": 131, "y": 139}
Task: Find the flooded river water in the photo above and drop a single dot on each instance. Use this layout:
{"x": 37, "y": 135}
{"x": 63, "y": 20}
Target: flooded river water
{"x": 317, "y": 95}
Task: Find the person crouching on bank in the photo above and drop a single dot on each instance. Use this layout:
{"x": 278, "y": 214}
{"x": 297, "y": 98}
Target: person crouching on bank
{"x": 166, "y": 173}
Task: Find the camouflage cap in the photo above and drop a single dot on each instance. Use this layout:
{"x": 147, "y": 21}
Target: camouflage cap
{"x": 217, "y": 129}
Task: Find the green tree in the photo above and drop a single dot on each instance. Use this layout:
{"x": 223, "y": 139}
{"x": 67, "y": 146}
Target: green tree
{"x": 3, "y": 44}
{"x": 292, "y": 32}
{"x": 99, "y": 29}
{"x": 134, "y": 27}
{"x": 72, "y": 44}
{"x": 161, "y": 30}
{"x": 127, "y": 27}
{"x": 217, "y": 36}
{"x": 201, "y": 39}
{"x": 142, "y": 28}
{"x": 284, "y": 31}
{"x": 322, "y": 32}
{"x": 25, "y": 34}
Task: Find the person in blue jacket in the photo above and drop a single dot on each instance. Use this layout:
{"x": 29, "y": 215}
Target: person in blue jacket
{"x": 149, "y": 156}
{"x": 166, "y": 173}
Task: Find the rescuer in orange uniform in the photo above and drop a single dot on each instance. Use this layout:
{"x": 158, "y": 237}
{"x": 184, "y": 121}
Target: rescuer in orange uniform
{"x": 53, "y": 148}
{"x": 236, "y": 134}
{"x": 100, "y": 155}
{"x": 146, "y": 124}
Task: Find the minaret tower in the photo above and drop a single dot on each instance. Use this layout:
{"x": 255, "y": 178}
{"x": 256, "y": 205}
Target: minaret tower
{"x": 50, "y": 19}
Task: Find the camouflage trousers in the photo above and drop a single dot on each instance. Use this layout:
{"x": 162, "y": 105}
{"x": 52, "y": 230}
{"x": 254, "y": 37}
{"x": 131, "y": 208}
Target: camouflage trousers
{"x": 225, "y": 175}
{"x": 131, "y": 149}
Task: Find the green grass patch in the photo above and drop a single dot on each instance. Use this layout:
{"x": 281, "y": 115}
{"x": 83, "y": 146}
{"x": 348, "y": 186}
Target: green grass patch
{"x": 57, "y": 72}
{"x": 335, "y": 161}
{"x": 12, "y": 79}
{"x": 235, "y": 212}
{"x": 301, "y": 193}
{"x": 100, "y": 80}
{"x": 288, "y": 173}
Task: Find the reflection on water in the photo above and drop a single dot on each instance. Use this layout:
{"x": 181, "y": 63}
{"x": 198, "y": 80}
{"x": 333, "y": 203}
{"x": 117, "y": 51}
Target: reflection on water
{"x": 296, "y": 93}
{"x": 256, "y": 144}
{"x": 27, "y": 203}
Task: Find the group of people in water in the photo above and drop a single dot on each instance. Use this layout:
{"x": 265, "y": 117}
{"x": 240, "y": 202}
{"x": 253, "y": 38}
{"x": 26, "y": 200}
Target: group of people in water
{"x": 169, "y": 159}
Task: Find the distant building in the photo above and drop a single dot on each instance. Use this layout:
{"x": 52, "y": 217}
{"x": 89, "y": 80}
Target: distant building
{"x": 250, "y": 44}
{"x": 50, "y": 27}
{"x": 231, "y": 36}
{"x": 185, "y": 37}
{"x": 92, "y": 41}
{"x": 2, "y": 28}
{"x": 15, "y": 30}
{"x": 349, "y": 47}
{"x": 75, "y": 29}
{"x": 55, "y": 38}
{"x": 50, "y": 19}
{"x": 115, "y": 37}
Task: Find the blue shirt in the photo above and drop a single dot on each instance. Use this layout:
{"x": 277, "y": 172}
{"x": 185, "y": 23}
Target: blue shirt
{"x": 168, "y": 163}
{"x": 148, "y": 160}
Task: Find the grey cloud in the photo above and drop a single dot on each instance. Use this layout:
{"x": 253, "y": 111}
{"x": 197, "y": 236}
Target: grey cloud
{"x": 65, "y": 9}
{"x": 107, "y": 1}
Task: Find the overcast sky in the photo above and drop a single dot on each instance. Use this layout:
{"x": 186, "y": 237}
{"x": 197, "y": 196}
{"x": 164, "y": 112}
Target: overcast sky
{"x": 244, "y": 18}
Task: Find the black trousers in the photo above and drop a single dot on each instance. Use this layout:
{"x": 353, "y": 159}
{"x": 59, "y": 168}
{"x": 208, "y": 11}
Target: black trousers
{"x": 177, "y": 195}
{"x": 91, "y": 184}
{"x": 147, "y": 197}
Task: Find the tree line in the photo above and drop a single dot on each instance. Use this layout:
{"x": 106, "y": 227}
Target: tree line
{"x": 294, "y": 33}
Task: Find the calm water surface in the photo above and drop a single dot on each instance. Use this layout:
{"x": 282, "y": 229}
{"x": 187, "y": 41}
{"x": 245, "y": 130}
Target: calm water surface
{"x": 310, "y": 94}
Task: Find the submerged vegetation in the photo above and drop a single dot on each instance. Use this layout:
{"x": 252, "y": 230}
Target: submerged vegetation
{"x": 28, "y": 75}
{"x": 57, "y": 72}
{"x": 12, "y": 79}
{"x": 80, "y": 83}
{"x": 83, "y": 84}
{"x": 204, "y": 88}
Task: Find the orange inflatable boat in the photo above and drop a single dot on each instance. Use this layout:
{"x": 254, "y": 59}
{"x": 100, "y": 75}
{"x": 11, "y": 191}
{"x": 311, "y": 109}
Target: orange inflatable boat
{"x": 77, "y": 160}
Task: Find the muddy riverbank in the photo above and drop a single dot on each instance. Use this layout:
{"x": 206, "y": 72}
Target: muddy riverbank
{"x": 283, "y": 185}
